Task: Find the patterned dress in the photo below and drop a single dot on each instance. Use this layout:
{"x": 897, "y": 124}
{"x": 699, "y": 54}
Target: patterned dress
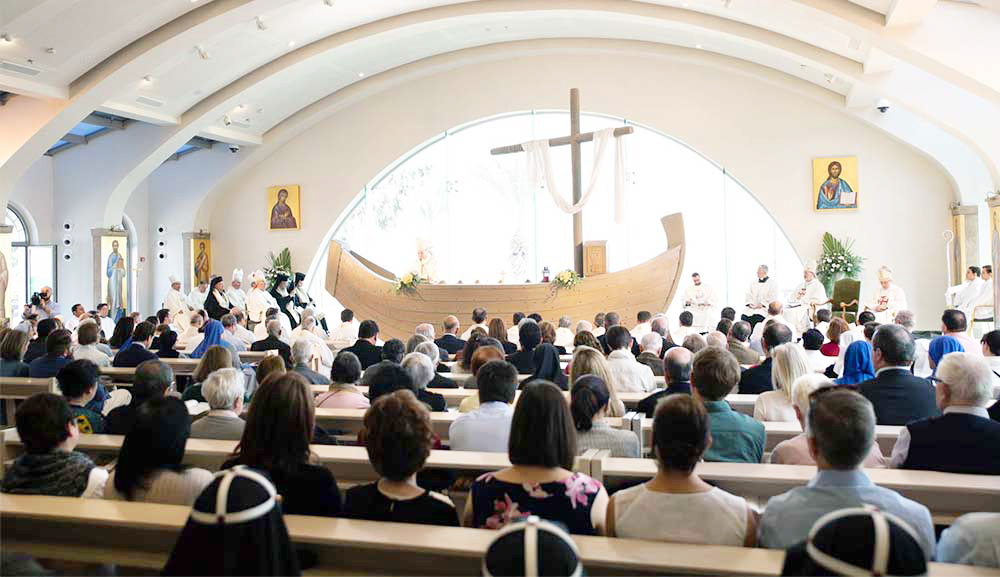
{"x": 496, "y": 503}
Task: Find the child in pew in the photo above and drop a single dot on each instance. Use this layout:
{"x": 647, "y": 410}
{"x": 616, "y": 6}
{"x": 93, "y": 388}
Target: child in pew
{"x": 78, "y": 383}
{"x": 399, "y": 440}
{"x": 661, "y": 509}
{"x": 47, "y": 427}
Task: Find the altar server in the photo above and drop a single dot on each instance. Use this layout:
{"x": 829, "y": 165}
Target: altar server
{"x": 198, "y": 295}
{"x": 699, "y": 300}
{"x": 965, "y": 295}
{"x": 177, "y": 304}
{"x": 808, "y": 294}
{"x": 762, "y": 292}
{"x": 237, "y": 296}
{"x": 889, "y": 298}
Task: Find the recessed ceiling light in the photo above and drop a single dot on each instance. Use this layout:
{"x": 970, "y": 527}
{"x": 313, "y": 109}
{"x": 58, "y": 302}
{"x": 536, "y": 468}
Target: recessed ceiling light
{"x": 6, "y": 38}
{"x": 50, "y": 50}
{"x": 360, "y": 74}
{"x": 260, "y": 23}
{"x": 291, "y": 43}
{"x": 147, "y": 79}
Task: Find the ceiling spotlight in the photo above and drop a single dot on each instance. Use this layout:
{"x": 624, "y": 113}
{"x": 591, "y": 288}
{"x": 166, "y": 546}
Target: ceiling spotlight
{"x": 202, "y": 52}
{"x": 226, "y": 120}
{"x": 260, "y": 23}
{"x": 328, "y": 3}
{"x": 50, "y": 50}
{"x": 147, "y": 79}
{"x": 6, "y": 38}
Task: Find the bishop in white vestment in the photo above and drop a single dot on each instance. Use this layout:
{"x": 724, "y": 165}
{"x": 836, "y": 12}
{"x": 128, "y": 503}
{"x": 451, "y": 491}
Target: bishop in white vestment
{"x": 810, "y": 292}
{"x": 237, "y": 296}
{"x": 762, "y": 292}
{"x": 259, "y": 300}
{"x": 889, "y": 298}
{"x": 699, "y": 300}
{"x": 177, "y": 304}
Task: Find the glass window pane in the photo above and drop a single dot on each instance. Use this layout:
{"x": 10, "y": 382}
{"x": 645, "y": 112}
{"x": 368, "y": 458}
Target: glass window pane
{"x": 42, "y": 267}
{"x": 17, "y": 283}
{"x": 12, "y": 219}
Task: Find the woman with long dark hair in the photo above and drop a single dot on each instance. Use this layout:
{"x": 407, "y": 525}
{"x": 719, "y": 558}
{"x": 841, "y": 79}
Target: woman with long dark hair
{"x": 499, "y": 332}
{"x": 123, "y": 332}
{"x": 149, "y": 464}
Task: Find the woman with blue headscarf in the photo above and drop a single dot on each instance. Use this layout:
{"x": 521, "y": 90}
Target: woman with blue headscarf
{"x": 213, "y": 336}
{"x": 858, "y": 366}
{"x": 941, "y": 346}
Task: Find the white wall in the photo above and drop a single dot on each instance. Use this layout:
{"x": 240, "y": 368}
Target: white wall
{"x": 33, "y": 194}
{"x": 765, "y": 136}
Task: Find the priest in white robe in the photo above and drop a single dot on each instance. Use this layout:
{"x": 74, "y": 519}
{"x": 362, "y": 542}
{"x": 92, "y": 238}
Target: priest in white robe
{"x": 197, "y": 296}
{"x": 177, "y": 304}
{"x": 306, "y": 331}
{"x": 965, "y": 295}
{"x": 762, "y": 292}
{"x": 889, "y": 298}
{"x": 982, "y": 309}
{"x": 699, "y": 300}
{"x": 237, "y": 296}
{"x": 259, "y": 300}
{"x": 811, "y": 293}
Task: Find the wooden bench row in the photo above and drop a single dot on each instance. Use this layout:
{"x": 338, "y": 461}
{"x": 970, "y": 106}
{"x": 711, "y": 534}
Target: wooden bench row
{"x": 142, "y": 535}
{"x": 945, "y": 494}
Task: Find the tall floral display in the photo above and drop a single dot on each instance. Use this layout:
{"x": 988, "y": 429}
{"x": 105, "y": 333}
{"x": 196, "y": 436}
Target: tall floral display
{"x": 838, "y": 261}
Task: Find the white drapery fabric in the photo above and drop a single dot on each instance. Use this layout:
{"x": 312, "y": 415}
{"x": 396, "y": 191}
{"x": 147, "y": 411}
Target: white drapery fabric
{"x": 540, "y": 167}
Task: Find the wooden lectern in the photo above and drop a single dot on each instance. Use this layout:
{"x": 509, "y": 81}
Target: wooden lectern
{"x": 595, "y": 257}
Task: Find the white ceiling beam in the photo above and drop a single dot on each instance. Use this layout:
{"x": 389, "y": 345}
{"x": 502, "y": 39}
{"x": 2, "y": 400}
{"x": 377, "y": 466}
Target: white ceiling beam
{"x": 32, "y": 88}
{"x": 230, "y": 135}
{"x": 112, "y": 123}
{"x": 877, "y": 62}
{"x": 140, "y": 113}
{"x": 908, "y": 12}
{"x": 199, "y": 142}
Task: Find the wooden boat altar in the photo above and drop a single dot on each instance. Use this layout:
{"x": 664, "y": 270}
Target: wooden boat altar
{"x": 368, "y": 290}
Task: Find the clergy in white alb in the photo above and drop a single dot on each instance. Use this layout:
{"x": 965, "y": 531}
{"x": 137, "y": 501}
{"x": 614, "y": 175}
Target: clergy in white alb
{"x": 965, "y": 295}
{"x": 237, "y": 296}
{"x": 347, "y": 330}
{"x": 762, "y": 292}
{"x": 197, "y": 296}
{"x": 177, "y": 304}
{"x": 106, "y": 322}
{"x": 321, "y": 351}
{"x": 889, "y": 298}
{"x": 259, "y": 300}
{"x": 982, "y": 309}
{"x": 699, "y": 300}
{"x": 802, "y": 300}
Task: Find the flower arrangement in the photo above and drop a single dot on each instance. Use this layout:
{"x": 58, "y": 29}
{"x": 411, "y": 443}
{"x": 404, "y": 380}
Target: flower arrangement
{"x": 838, "y": 261}
{"x": 408, "y": 282}
{"x": 566, "y": 279}
{"x": 282, "y": 263}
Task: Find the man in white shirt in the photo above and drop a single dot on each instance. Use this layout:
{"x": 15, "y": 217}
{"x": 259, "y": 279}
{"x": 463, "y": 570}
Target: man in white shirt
{"x": 46, "y": 307}
{"x": 307, "y": 331}
{"x": 229, "y": 333}
{"x": 991, "y": 351}
{"x": 488, "y": 427}
{"x": 245, "y": 336}
{"x": 237, "y": 296}
{"x": 774, "y": 311}
{"x": 982, "y": 309}
{"x": 564, "y": 336}
{"x": 630, "y": 375}
{"x": 178, "y": 305}
{"x": 86, "y": 348}
{"x": 686, "y": 320}
{"x": 889, "y": 298}
{"x": 643, "y": 325}
{"x": 191, "y": 337}
{"x": 478, "y": 321}
{"x": 761, "y": 293}
{"x": 699, "y": 300}
{"x": 811, "y": 293}
{"x": 73, "y": 321}
{"x": 965, "y": 295}
{"x": 107, "y": 324}
{"x": 198, "y": 295}
{"x": 347, "y": 330}
{"x": 812, "y": 340}
{"x": 514, "y": 332}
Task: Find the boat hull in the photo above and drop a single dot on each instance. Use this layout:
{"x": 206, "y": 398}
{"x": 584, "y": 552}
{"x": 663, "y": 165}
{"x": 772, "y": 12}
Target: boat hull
{"x": 368, "y": 290}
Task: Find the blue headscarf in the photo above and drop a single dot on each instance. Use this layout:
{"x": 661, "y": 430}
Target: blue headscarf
{"x": 213, "y": 336}
{"x": 858, "y": 366}
{"x": 941, "y": 346}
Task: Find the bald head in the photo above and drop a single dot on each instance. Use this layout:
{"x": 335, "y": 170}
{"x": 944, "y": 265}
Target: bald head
{"x": 717, "y": 339}
{"x": 677, "y": 365}
{"x": 450, "y": 324}
{"x": 660, "y": 326}
{"x": 774, "y": 309}
{"x": 651, "y": 343}
{"x": 425, "y": 330}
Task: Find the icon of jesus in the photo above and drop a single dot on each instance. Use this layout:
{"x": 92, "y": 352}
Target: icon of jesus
{"x": 836, "y": 192}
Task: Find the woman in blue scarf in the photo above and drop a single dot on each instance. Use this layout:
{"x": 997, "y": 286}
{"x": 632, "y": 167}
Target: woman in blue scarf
{"x": 213, "y": 336}
{"x": 858, "y": 366}
{"x": 941, "y": 346}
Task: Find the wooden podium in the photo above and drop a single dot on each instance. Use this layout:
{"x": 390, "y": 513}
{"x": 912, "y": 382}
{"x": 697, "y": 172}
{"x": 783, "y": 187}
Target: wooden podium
{"x": 595, "y": 257}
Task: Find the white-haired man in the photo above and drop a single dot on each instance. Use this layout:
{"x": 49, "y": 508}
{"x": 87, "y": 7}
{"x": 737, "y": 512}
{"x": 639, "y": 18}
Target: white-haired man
{"x": 889, "y": 299}
{"x": 651, "y": 346}
{"x": 223, "y": 390}
{"x": 762, "y": 292}
{"x": 811, "y": 293}
{"x": 421, "y": 371}
{"x": 245, "y": 335}
{"x": 237, "y": 296}
{"x": 229, "y": 332}
{"x": 177, "y": 304}
{"x": 963, "y": 439}
{"x": 564, "y": 336}
{"x": 306, "y": 332}
{"x": 259, "y": 300}
{"x": 921, "y": 347}
{"x": 302, "y": 356}
{"x": 426, "y": 330}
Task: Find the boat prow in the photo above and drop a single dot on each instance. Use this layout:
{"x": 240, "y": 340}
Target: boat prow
{"x": 368, "y": 290}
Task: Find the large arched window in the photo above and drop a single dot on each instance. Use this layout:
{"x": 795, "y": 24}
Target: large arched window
{"x": 31, "y": 266}
{"x": 484, "y": 223}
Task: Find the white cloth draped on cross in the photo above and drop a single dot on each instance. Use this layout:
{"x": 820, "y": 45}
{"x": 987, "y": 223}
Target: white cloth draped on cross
{"x": 540, "y": 169}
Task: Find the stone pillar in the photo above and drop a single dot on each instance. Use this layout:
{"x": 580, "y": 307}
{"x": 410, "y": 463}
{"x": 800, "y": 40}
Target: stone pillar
{"x": 192, "y": 247}
{"x": 994, "y": 207}
{"x": 965, "y": 249}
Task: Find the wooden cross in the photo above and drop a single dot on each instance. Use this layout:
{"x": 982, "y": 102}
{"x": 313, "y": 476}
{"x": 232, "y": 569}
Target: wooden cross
{"x": 573, "y": 140}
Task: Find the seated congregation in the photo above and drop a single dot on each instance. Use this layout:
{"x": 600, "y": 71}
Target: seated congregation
{"x": 546, "y": 396}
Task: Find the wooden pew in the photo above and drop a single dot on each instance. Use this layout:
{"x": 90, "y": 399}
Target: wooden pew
{"x": 947, "y": 495}
{"x": 142, "y": 535}
{"x": 15, "y": 389}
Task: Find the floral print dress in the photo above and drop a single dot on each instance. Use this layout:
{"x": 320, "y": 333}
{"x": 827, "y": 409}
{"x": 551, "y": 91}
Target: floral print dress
{"x": 496, "y": 503}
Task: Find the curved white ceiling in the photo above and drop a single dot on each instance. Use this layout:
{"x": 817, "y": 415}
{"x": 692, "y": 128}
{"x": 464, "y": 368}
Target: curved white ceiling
{"x": 275, "y": 57}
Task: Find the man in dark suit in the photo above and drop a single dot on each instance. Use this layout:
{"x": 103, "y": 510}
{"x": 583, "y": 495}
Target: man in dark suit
{"x": 448, "y": 340}
{"x": 612, "y": 319}
{"x": 963, "y": 439}
{"x": 364, "y": 348}
{"x": 677, "y": 371}
{"x": 530, "y": 336}
{"x": 897, "y": 395}
{"x": 36, "y": 348}
{"x": 756, "y": 380}
{"x": 138, "y": 351}
{"x": 274, "y": 343}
